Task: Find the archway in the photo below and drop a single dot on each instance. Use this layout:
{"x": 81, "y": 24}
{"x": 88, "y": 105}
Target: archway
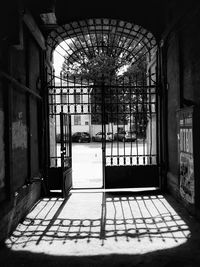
{"x": 108, "y": 68}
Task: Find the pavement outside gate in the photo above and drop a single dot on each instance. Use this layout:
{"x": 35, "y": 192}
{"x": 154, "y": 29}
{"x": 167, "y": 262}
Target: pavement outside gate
{"x": 93, "y": 228}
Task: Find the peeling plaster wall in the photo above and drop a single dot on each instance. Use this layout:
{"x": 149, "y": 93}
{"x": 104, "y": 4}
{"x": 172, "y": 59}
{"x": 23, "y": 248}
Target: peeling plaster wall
{"x": 19, "y": 140}
{"x": 25, "y": 140}
{"x": 183, "y": 79}
{"x": 19, "y": 135}
{"x": 20, "y": 122}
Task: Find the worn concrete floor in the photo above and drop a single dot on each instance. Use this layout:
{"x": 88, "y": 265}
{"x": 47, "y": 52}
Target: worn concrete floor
{"x": 111, "y": 229}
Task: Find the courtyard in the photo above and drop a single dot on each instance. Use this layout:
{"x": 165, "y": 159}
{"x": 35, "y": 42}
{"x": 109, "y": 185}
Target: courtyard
{"x": 87, "y": 168}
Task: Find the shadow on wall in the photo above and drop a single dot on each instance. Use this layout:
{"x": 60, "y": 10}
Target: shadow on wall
{"x": 132, "y": 230}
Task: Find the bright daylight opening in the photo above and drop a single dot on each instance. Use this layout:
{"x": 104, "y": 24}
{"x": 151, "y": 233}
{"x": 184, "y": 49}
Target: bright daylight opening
{"x": 105, "y": 81}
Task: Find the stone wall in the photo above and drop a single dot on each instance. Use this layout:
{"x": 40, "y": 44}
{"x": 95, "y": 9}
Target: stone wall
{"x": 183, "y": 80}
{"x": 20, "y": 127}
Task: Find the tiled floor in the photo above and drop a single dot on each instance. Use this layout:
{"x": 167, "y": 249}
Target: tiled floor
{"x": 98, "y": 229}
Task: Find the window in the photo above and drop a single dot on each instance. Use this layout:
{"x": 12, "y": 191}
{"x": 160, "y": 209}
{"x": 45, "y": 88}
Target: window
{"x": 77, "y": 120}
{"x": 77, "y": 98}
{"x": 64, "y": 98}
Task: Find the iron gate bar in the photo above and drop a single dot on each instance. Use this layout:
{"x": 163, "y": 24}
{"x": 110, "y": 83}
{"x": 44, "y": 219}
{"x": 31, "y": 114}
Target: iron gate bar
{"x": 118, "y": 102}
{"x": 129, "y": 112}
{"x": 145, "y": 38}
{"x": 103, "y": 130}
{"x": 130, "y": 154}
{"x": 132, "y": 39}
{"x": 157, "y": 122}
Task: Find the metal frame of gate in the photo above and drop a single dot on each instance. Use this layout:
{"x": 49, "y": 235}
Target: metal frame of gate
{"x": 117, "y": 103}
{"x": 123, "y": 104}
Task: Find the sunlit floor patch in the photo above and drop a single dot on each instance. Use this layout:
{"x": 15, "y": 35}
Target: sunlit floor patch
{"x": 98, "y": 223}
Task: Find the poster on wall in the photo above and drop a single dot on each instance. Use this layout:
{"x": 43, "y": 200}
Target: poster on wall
{"x": 186, "y": 158}
{"x": 187, "y": 177}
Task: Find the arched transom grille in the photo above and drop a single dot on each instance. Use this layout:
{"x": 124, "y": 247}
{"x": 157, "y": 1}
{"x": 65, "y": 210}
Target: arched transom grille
{"x": 82, "y": 41}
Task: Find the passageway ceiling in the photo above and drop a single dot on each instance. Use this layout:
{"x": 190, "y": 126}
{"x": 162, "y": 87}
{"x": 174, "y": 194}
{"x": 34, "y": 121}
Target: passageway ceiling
{"x": 148, "y": 14}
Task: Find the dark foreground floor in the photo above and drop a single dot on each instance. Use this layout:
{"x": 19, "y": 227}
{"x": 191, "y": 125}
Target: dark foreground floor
{"x": 112, "y": 229}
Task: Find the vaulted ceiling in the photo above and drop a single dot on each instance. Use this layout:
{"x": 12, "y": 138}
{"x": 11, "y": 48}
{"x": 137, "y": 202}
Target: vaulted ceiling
{"x": 147, "y": 13}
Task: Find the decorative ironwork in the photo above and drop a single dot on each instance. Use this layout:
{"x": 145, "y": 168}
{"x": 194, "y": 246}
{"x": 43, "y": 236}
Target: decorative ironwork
{"x": 105, "y": 75}
{"x": 126, "y": 107}
{"x": 78, "y": 42}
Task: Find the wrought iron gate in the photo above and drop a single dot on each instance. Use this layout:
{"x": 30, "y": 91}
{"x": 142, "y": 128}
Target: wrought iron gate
{"x": 60, "y": 160}
{"x": 130, "y": 117}
{"x": 121, "y": 98}
{"x": 66, "y": 152}
{"x": 126, "y": 111}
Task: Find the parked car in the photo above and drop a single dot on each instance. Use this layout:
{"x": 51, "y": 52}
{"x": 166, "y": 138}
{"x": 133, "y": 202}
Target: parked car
{"x": 125, "y": 136}
{"x": 98, "y": 137}
{"x": 81, "y": 137}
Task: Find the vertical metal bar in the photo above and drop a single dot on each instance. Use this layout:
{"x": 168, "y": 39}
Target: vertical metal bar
{"x": 61, "y": 92}
{"x": 70, "y": 140}
{"x": 102, "y": 37}
{"x": 130, "y": 116}
{"x": 88, "y": 97}
{"x": 150, "y": 115}
{"x": 137, "y": 118}
{"x": 55, "y": 115}
{"x": 156, "y": 111}
{"x": 111, "y": 119}
{"x": 75, "y": 104}
{"x": 46, "y": 121}
{"x": 161, "y": 113}
{"x": 124, "y": 119}
{"x": 143, "y": 91}
{"x": 117, "y": 114}
{"x": 68, "y": 96}
{"x": 49, "y": 113}
{"x": 103, "y": 128}
{"x": 161, "y": 144}
{"x": 81, "y": 96}
{"x": 62, "y": 149}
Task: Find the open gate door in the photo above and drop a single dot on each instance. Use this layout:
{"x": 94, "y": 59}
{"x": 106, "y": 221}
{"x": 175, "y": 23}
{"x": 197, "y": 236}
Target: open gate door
{"x": 66, "y": 152}
{"x": 60, "y": 169}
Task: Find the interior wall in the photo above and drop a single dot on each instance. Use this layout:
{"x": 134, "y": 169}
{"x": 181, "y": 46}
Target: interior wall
{"x": 173, "y": 90}
{"x": 183, "y": 83}
{"x": 20, "y": 127}
{"x": 2, "y": 147}
{"x": 190, "y": 53}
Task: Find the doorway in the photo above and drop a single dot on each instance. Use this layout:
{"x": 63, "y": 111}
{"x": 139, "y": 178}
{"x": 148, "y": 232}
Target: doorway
{"x": 87, "y": 170}
{"x": 108, "y": 71}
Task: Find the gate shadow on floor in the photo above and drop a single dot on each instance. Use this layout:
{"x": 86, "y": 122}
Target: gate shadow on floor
{"x": 122, "y": 217}
{"x": 117, "y": 229}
